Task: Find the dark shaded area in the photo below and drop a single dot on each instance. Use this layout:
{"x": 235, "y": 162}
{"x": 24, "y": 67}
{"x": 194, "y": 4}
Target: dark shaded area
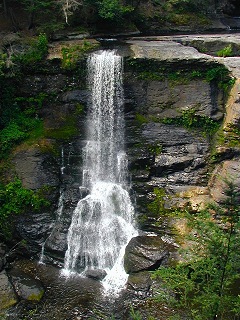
{"x": 232, "y": 8}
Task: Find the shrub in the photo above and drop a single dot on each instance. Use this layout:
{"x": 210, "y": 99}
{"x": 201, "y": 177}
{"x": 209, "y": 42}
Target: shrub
{"x": 226, "y": 52}
{"x": 190, "y": 120}
{"x": 203, "y": 284}
{"x": 37, "y": 50}
{"x": 18, "y": 121}
{"x": 71, "y": 55}
{"x": 15, "y": 200}
{"x": 113, "y": 10}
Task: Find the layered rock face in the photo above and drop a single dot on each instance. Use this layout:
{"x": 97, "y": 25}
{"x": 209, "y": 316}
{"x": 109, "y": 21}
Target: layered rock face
{"x": 168, "y": 156}
{"x": 163, "y": 154}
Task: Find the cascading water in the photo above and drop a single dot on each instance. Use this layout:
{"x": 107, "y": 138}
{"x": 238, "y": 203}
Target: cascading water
{"x": 102, "y": 221}
{"x": 58, "y": 212}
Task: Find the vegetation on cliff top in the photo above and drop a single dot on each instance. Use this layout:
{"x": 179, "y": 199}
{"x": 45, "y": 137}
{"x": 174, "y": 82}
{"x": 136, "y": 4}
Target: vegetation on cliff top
{"x": 53, "y": 15}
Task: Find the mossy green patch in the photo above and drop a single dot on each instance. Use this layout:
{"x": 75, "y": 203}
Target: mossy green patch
{"x": 176, "y": 73}
{"x": 72, "y": 54}
{"x": 7, "y": 302}
{"x": 190, "y": 120}
{"x": 157, "y": 206}
{"x": 36, "y": 296}
{"x": 141, "y": 119}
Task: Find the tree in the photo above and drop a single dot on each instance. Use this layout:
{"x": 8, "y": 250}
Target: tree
{"x": 68, "y": 7}
{"x": 36, "y": 7}
{"x": 204, "y": 284}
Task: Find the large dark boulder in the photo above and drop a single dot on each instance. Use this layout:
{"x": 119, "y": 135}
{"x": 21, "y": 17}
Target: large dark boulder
{"x": 145, "y": 253}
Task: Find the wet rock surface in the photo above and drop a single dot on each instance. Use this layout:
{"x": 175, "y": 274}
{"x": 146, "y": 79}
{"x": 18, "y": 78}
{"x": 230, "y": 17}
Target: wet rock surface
{"x": 25, "y": 286}
{"x": 8, "y": 297}
{"x": 141, "y": 283}
{"x": 36, "y": 169}
{"x": 145, "y": 253}
{"x": 96, "y": 274}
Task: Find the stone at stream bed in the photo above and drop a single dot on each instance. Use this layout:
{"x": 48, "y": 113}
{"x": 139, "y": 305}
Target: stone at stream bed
{"x": 96, "y": 274}
{"x": 8, "y": 297}
{"x": 140, "y": 282}
{"x": 26, "y": 287}
{"x": 145, "y": 253}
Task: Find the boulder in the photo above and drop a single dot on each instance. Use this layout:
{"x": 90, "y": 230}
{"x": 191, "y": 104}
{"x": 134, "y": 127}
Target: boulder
{"x": 25, "y": 286}
{"x": 56, "y": 243}
{"x": 163, "y": 99}
{"x": 8, "y": 297}
{"x": 140, "y": 282}
{"x": 34, "y": 228}
{"x": 96, "y": 274}
{"x": 145, "y": 253}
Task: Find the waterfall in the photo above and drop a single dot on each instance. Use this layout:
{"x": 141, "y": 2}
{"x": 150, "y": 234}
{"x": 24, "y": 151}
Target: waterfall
{"x": 101, "y": 223}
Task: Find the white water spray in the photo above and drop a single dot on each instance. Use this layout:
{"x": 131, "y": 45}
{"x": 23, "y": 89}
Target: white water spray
{"x": 102, "y": 221}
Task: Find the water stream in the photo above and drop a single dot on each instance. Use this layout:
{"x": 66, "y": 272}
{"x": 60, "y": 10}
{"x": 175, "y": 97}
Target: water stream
{"x": 102, "y": 222}
{"x": 59, "y": 212}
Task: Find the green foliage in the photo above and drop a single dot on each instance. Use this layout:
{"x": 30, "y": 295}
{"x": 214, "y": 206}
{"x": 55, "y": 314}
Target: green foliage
{"x": 226, "y": 51}
{"x": 50, "y": 27}
{"x": 203, "y": 285}
{"x": 155, "y": 149}
{"x": 157, "y": 206}
{"x": 229, "y": 138}
{"x": 15, "y": 200}
{"x": 140, "y": 119}
{"x": 9, "y": 136}
{"x": 153, "y": 70}
{"x": 135, "y": 314}
{"x": 220, "y": 74}
{"x": 113, "y": 10}
{"x": 151, "y": 75}
{"x": 190, "y": 120}
{"x": 71, "y": 55}
{"x": 37, "y": 50}
{"x": 19, "y": 121}
{"x": 145, "y": 69}
{"x": 39, "y": 6}
{"x": 3, "y": 59}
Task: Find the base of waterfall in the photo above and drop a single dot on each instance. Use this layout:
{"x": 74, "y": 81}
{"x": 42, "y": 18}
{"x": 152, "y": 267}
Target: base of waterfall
{"x": 100, "y": 230}
{"x": 114, "y": 280}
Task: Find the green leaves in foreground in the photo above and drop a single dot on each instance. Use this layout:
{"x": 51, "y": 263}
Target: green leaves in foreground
{"x": 14, "y": 200}
{"x": 207, "y": 284}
